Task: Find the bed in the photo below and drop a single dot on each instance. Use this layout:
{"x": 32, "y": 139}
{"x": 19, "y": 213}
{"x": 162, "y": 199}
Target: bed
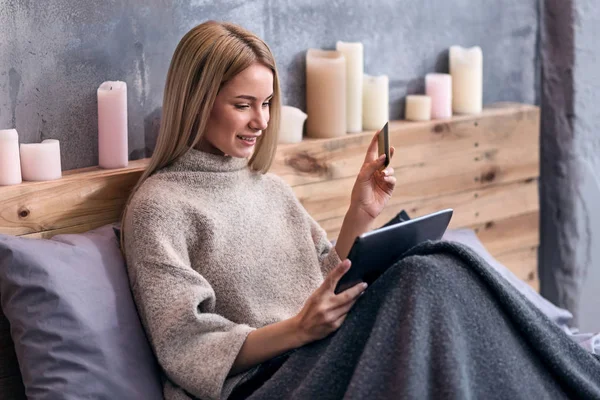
{"x": 485, "y": 167}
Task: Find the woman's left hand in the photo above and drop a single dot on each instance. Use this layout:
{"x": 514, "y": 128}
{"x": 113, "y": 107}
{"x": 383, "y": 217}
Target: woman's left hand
{"x": 373, "y": 187}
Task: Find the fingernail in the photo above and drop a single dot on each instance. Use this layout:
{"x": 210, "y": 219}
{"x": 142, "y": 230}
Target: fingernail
{"x": 382, "y": 157}
{"x": 364, "y": 285}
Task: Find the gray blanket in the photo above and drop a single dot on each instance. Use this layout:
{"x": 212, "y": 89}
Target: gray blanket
{"x": 443, "y": 324}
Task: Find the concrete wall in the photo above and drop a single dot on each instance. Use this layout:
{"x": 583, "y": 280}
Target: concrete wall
{"x": 570, "y": 252}
{"x": 55, "y": 53}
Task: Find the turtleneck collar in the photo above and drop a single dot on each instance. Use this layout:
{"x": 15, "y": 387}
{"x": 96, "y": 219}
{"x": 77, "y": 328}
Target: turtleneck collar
{"x": 199, "y": 161}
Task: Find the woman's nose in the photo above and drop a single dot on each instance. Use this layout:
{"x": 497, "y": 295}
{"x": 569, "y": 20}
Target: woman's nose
{"x": 260, "y": 120}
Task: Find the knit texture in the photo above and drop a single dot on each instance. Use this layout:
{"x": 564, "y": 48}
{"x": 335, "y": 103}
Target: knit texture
{"x": 439, "y": 324}
{"x": 215, "y": 250}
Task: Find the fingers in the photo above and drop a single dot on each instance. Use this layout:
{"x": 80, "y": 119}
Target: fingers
{"x": 370, "y": 168}
{"x": 372, "y": 150}
{"x": 336, "y": 274}
{"x": 389, "y": 171}
{"x": 351, "y": 294}
{"x": 392, "y": 150}
{"x": 390, "y": 181}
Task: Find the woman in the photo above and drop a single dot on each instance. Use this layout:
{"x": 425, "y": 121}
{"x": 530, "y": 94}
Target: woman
{"x": 233, "y": 280}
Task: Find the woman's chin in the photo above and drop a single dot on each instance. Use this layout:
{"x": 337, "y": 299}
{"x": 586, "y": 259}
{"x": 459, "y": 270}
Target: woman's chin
{"x": 241, "y": 153}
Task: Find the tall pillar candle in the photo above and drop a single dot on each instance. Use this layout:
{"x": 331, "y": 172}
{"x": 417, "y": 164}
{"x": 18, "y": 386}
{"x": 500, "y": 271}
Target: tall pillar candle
{"x": 466, "y": 68}
{"x": 10, "y": 165}
{"x": 376, "y": 99}
{"x": 292, "y": 124}
{"x": 418, "y": 108}
{"x": 41, "y": 161}
{"x": 112, "y": 125}
{"x": 325, "y": 93}
{"x": 353, "y": 53}
{"x": 439, "y": 88}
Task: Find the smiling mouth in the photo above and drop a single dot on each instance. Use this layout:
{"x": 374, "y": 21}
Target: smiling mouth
{"x": 248, "y": 139}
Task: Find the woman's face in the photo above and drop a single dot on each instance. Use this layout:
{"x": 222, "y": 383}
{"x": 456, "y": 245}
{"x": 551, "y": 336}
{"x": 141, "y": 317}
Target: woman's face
{"x": 240, "y": 113}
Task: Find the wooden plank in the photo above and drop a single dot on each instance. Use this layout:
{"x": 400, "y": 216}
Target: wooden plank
{"x": 524, "y": 264}
{"x": 69, "y": 229}
{"x": 471, "y": 207}
{"x": 511, "y": 127}
{"x": 497, "y": 137}
{"x": 446, "y": 174}
{"x": 502, "y": 236}
{"x": 89, "y": 196}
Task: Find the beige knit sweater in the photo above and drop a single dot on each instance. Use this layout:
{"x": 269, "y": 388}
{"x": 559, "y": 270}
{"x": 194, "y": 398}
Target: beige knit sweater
{"x": 214, "y": 251}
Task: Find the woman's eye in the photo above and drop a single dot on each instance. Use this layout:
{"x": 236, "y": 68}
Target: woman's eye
{"x": 267, "y": 104}
{"x": 242, "y": 106}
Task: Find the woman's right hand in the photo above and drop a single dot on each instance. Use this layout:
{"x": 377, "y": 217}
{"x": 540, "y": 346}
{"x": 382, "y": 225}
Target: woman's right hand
{"x": 324, "y": 311}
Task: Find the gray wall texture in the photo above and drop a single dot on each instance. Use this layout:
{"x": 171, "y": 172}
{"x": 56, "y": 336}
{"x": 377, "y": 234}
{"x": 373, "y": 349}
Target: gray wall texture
{"x": 54, "y": 54}
{"x": 570, "y": 170}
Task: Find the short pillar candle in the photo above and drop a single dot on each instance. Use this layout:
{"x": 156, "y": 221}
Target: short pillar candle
{"x": 291, "y": 125}
{"x": 418, "y": 108}
{"x": 41, "y": 161}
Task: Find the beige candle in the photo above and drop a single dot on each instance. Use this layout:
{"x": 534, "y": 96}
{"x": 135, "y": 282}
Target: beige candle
{"x": 292, "y": 124}
{"x": 466, "y": 68}
{"x": 353, "y": 52}
{"x": 418, "y": 108}
{"x": 376, "y": 101}
{"x": 325, "y": 93}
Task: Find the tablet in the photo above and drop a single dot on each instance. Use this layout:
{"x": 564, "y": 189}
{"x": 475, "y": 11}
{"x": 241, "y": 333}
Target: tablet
{"x": 375, "y": 251}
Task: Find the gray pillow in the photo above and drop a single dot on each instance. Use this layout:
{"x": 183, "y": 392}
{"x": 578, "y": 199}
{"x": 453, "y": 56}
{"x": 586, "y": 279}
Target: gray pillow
{"x": 76, "y": 330}
{"x": 469, "y": 238}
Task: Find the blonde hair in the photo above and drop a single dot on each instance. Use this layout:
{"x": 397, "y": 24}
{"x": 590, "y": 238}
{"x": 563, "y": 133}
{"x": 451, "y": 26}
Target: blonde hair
{"x": 207, "y": 57}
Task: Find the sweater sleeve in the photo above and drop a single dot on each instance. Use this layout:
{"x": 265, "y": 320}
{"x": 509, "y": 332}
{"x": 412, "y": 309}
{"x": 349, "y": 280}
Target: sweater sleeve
{"x": 195, "y": 346}
{"x": 326, "y": 253}
{"x": 328, "y": 256}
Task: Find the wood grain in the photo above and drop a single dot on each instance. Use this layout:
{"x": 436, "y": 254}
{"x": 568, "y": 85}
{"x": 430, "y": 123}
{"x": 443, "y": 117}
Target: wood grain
{"x": 469, "y": 138}
{"x": 523, "y": 263}
{"x": 471, "y": 207}
{"x": 86, "y": 197}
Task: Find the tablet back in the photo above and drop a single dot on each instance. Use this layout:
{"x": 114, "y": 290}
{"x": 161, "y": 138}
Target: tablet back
{"x": 373, "y": 252}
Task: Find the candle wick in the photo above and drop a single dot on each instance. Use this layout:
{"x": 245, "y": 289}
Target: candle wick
{"x": 111, "y": 88}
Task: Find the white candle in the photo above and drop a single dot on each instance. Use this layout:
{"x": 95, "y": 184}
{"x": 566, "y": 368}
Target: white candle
{"x": 376, "y": 101}
{"x": 292, "y": 123}
{"x": 466, "y": 68}
{"x": 10, "y": 165}
{"x": 325, "y": 93}
{"x": 418, "y": 108}
{"x": 41, "y": 161}
{"x": 353, "y": 52}
{"x": 112, "y": 125}
{"x": 439, "y": 88}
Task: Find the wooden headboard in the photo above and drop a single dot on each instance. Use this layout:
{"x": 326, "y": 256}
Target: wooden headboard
{"x": 486, "y": 167}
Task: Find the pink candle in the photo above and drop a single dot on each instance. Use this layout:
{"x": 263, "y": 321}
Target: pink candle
{"x": 439, "y": 88}
{"x": 112, "y": 125}
{"x": 41, "y": 161}
{"x": 10, "y": 166}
